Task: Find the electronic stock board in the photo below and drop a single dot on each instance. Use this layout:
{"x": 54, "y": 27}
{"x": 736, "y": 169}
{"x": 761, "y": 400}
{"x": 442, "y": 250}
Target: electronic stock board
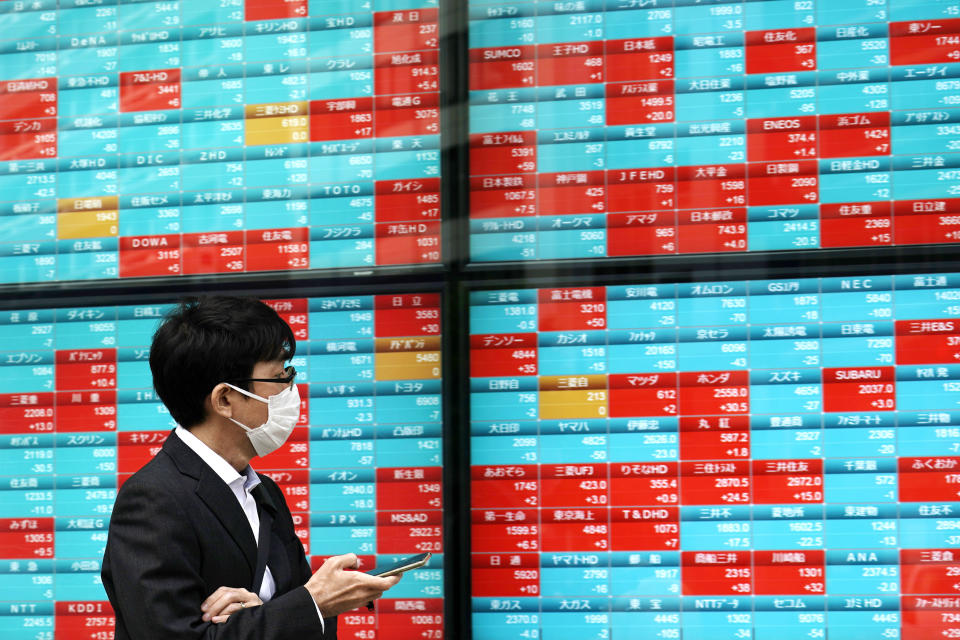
{"x": 717, "y": 460}
{"x": 361, "y": 472}
{"x": 621, "y": 128}
{"x": 164, "y": 138}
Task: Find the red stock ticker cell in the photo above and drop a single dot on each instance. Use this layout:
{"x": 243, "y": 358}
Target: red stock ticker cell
{"x": 929, "y": 479}
{"x": 274, "y": 9}
{"x": 643, "y": 394}
{"x": 26, "y": 538}
{"x": 86, "y": 369}
{"x": 924, "y": 617}
{"x": 219, "y": 252}
{"x": 150, "y": 256}
{"x": 790, "y": 572}
{"x": 294, "y": 454}
{"x": 773, "y": 183}
{"x": 715, "y": 437}
{"x": 772, "y": 139}
{"x": 410, "y": 619}
{"x": 640, "y": 234}
{"x": 407, "y": 200}
{"x": 407, "y": 315}
{"x": 712, "y": 393}
{"x": 28, "y": 139}
{"x": 712, "y": 230}
{"x": 84, "y": 619}
{"x": 505, "y": 530}
{"x": 343, "y": 119}
{"x": 928, "y": 341}
{"x": 712, "y": 483}
{"x": 571, "y": 309}
{"x": 504, "y": 354}
{"x": 929, "y": 571}
{"x": 26, "y": 413}
{"x": 137, "y": 448}
{"x": 649, "y": 528}
{"x": 787, "y": 481}
{"x": 505, "y": 574}
{"x": 503, "y": 67}
{"x": 409, "y": 488}
{"x": 641, "y": 190}
{"x": 859, "y": 389}
{"x": 574, "y": 485}
{"x": 407, "y": 115}
{"x": 405, "y": 73}
{"x": 571, "y": 193}
{"x": 640, "y": 102}
{"x": 570, "y": 63}
{"x": 925, "y": 41}
{"x": 507, "y": 196}
{"x": 510, "y": 486}
{"x": 781, "y": 50}
{"x": 854, "y": 134}
{"x": 716, "y": 573}
{"x": 506, "y": 152}
{"x": 79, "y": 411}
{"x": 27, "y": 99}
{"x": 639, "y": 59}
{"x": 575, "y": 529}
{"x": 409, "y": 532}
{"x": 150, "y": 90}
{"x": 277, "y": 249}
{"x": 407, "y": 242}
{"x": 411, "y": 30}
{"x": 644, "y": 483}
{"x": 926, "y": 221}
{"x": 856, "y": 224}
{"x": 295, "y": 312}
{"x": 711, "y": 186}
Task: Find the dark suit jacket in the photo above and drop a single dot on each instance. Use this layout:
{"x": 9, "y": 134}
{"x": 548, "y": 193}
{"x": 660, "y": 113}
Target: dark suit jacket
{"x": 178, "y": 533}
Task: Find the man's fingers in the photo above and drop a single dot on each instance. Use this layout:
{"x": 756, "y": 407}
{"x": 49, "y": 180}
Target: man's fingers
{"x": 229, "y": 601}
{"x": 213, "y": 598}
{"x": 217, "y": 606}
{"x": 346, "y": 561}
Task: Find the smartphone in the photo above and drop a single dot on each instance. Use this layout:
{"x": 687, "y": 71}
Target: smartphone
{"x": 412, "y": 562}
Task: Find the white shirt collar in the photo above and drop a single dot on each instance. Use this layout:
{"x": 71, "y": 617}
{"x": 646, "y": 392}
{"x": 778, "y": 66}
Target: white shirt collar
{"x": 216, "y": 462}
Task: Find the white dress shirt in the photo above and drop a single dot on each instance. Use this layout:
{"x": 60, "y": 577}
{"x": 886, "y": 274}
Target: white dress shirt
{"x": 241, "y": 485}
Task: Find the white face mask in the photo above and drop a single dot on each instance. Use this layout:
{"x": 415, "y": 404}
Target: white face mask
{"x": 283, "y": 413}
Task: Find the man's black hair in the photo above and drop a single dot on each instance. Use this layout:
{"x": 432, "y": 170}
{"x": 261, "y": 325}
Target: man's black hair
{"x": 207, "y": 340}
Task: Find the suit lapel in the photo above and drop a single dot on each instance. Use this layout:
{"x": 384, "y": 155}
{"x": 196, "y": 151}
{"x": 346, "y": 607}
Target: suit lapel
{"x": 216, "y": 495}
{"x": 266, "y": 534}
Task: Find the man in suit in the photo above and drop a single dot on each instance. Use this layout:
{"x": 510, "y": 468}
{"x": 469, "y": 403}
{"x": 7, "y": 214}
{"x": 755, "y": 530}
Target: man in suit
{"x": 200, "y": 545}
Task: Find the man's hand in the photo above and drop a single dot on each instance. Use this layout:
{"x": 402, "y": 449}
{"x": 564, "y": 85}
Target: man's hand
{"x": 336, "y": 591}
{"x": 226, "y": 600}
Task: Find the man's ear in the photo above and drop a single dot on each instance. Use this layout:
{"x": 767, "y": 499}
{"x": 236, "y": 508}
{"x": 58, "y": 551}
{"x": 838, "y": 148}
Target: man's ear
{"x": 219, "y": 400}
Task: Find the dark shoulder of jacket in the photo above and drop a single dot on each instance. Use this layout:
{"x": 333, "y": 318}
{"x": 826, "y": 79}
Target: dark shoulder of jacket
{"x": 271, "y": 486}
{"x": 159, "y": 472}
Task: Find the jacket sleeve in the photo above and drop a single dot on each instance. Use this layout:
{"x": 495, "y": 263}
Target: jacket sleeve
{"x": 301, "y": 570}
{"x": 151, "y": 574}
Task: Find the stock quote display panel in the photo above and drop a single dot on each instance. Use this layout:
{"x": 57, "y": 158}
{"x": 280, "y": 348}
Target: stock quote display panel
{"x": 777, "y": 460}
{"x": 175, "y": 137}
{"x": 604, "y": 128}
{"x": 361, "y": 472}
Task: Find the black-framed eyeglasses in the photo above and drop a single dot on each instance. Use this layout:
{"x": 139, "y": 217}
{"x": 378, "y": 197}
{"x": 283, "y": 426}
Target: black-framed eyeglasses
{"x": 288, "y": 375}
